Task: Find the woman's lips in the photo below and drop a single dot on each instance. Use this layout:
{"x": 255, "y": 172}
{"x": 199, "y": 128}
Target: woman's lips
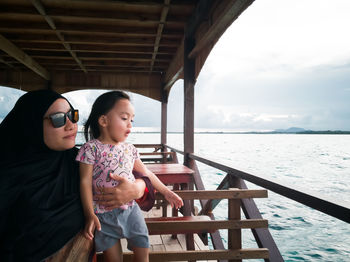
{"x": 72, "y": 136}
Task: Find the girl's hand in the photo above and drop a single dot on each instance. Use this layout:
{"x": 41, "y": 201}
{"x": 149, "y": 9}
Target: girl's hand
{"x": 91, "y": 223}
{"x": 173, "y": 199}
{"x": 124, "y": 192}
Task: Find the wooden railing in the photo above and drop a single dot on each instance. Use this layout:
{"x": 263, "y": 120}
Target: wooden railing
{"x": 234, "y": 224}
{"x": 157, "y": 154}
{"x": 236, "y": 178}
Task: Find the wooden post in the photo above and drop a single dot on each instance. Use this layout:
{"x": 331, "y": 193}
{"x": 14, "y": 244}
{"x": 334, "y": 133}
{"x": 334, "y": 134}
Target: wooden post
{"x": 164, "y": 118}
{"x": 234, "y": 235}
{"x": 189, "y": 82}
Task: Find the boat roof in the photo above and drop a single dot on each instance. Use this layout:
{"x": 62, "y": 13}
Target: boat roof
{"x": 137, "y": 46}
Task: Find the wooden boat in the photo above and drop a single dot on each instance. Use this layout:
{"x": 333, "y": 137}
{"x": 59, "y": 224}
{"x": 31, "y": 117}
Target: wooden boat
{"x": 145, "y": 47}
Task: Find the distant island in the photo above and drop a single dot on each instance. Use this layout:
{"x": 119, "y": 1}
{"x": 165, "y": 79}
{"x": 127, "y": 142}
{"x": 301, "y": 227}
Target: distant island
{"x": 291, "y": 130}
{"x": 298, "y": 130}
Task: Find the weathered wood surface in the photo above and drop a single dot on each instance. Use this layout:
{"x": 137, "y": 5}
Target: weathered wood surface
{"x": 236, "y": 255}
{"x": 155, "y": 153}
{"x": 163, "y": 169}
{"x": 15, "y": 52}
{"x": 199, "y": 224}
{"x": 111, "y": 37}
{"x": 220, "y": 194}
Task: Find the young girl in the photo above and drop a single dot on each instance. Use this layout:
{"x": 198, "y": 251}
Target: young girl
{"x": 106, "y": 155}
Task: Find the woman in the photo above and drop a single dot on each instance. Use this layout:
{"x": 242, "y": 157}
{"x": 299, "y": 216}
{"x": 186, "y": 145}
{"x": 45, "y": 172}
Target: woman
{"x": 39, "y": 181}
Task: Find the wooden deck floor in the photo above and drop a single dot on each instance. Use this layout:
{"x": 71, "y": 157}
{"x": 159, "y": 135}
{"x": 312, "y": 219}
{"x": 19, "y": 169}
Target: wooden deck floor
{"x": 166, "y": 242}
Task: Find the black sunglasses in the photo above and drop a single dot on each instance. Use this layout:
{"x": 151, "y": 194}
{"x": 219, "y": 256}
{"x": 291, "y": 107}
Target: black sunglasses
{"x": 59, "y": 119}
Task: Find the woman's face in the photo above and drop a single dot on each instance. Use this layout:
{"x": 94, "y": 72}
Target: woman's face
{"x": 61, "y": 138}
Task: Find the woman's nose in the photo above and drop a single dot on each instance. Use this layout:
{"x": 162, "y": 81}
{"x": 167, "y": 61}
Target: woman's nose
{"x": 69, "y": 125}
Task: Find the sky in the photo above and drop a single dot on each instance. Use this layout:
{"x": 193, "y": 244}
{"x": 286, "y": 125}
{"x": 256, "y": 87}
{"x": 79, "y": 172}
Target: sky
{"x": 281, "y": 64}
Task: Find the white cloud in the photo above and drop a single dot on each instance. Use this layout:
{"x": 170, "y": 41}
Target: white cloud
{"x": 231, "y": 116}
{"x": 270, "y": 118}
{"x": 274, "y": 38}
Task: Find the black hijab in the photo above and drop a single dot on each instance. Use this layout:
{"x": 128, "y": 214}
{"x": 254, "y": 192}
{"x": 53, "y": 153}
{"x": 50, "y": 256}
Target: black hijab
{"x": 40, "y": 209}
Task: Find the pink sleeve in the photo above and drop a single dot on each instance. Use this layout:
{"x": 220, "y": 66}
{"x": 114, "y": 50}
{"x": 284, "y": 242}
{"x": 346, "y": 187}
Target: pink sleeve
{"x": 135, "y": 152}
{"x": 87, "y": 154}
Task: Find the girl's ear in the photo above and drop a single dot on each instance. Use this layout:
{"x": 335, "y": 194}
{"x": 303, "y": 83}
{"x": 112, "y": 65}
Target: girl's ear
{"x": 102, "y": 120}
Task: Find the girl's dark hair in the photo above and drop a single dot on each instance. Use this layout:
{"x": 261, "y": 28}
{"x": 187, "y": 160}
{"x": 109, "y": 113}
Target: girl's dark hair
{"x": 102, "y": 105}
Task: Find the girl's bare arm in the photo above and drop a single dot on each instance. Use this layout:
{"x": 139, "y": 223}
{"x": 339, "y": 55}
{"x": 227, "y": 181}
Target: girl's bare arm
{"x": 91, "y": 220}
{"x": 173, "y": 198}
{"x": 85, "y": 171}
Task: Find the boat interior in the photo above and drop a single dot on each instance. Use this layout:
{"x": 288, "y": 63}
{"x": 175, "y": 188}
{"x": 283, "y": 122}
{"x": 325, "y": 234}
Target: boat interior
{"x": 144, "y": 47}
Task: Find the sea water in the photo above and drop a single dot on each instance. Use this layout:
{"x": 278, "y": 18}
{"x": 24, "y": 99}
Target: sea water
{"x": 314, "y": 162}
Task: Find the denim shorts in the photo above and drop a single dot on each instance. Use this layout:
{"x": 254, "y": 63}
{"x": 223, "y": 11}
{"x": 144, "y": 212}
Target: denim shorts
{"x": 118, "y": 224}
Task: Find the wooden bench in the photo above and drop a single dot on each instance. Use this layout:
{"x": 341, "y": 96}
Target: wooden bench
{"x": 158, "y": 154}
{"x": 200, "y": 224}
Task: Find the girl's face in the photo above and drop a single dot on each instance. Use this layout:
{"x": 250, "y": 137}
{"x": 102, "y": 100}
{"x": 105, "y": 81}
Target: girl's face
{"x": 61, "y": 138}
{"x": 117, "y": 123}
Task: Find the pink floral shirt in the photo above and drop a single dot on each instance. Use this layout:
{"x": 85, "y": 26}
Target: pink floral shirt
{"x": 107, "y": 159}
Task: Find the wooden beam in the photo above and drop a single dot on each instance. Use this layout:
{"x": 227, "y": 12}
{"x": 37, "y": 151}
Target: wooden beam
{"x": 98, "y": 49}
{"x": 4, "y": 62}
{"x": 200, "y": 14}
{"x": 38, "y": 5}
{"x": 22, "y": 57}
{"x": 234, "y": 235}
{"x": 162, "y": 21}
{"x": 174, "y": 226}
{"x": 162, "y": 256}
{"x": 335, "y": 208}
{"x": 145, "y": 84}
{"x": 189, "y": 82}
{"x": 232, "y": 193}
{"x": 164, "y": 118}
{"x": 175, "y": 68}
{"x": 99, "y": 58}
{"x": 108, "y": 70}
{"x": 116, "y": 22}
{"x": 102, "y": 62}
{"x": 262, "y": 236}
{"x": 230, "y": 12}
{"x": 103, "y": 40}
{"x": 23, "y": 79}
{"x": 93, "y": 29}
{"x": 148, "y": 7}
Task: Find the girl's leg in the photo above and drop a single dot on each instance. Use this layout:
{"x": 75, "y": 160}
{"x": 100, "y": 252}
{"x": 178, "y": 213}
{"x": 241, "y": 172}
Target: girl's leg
{"x": 140, "y": 254}
{"x": 114, "y": 253}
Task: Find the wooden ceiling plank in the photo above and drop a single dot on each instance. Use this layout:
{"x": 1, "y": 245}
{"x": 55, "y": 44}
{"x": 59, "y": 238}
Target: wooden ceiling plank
{"x": 22, "y": 57}
{"x": 94, "y": 49}
{"x": 4, "y": 62}
{"x": 148, "y": 7}
{"x": 162, "y": 21}
{"x": 111, "y": 41}
{"x": 82, "y": 29}
{"x": 230, "y": 13}
{"x": 115, "y": 22}
{"x": 101, "y": 59}
{"x": 45, "y": 61}
{"x": 38, "y": 5}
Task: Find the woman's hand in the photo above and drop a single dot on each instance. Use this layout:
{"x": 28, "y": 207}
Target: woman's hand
{"x": 91, "y": 223}
{"x": 124, "y": 192}
{"x": 173, "y": 199}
